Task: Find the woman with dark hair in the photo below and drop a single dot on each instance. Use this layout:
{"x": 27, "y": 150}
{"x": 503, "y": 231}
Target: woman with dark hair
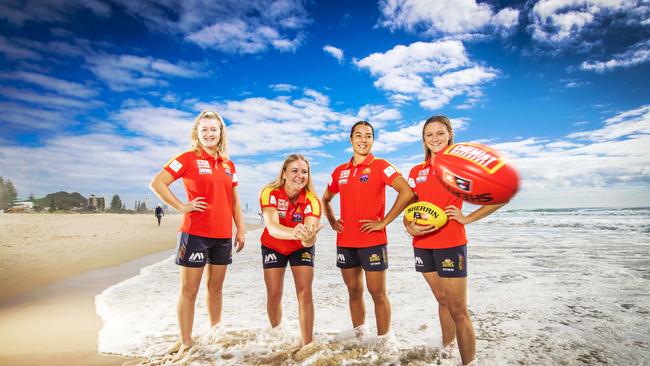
{"x": 205, "y": 235}
{"x": 441, "y": 255}
{"x": 361, "y": 235}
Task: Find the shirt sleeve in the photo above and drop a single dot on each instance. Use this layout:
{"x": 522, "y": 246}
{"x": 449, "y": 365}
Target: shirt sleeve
{"x": 412, "y": 176}
{"x": 333, "y": 185}
{"x": 235, "y": 180}
{"x": 268, "y": 198}
{"x": 178, "y": 165}
{"x": 388, "y": 172}
{"x": 313, "y": 207}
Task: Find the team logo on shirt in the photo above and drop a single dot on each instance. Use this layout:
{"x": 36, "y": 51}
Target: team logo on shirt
{"x": 296, "y": 217}
{"x": 389, "y": 171}
{"x": 283, "y": 205}
{"x": 282, "y": 214}
{"x": 306, "y": 257}
{"x": 344, "y": 174}
{"x": 448, "y": 265}
{"x": 308, "y": 209}
{"x": 422, "y": 175}
{"x": 363, "y": 178}
{"x": 272, "y": 200}
{"x": 374, "y": 259}
{"x": 343, "y": 181}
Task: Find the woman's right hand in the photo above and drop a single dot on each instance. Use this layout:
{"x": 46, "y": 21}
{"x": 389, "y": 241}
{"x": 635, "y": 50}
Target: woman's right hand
{"x": 197, "y": 204}
{"x": 417, "y": 230}
{"x": 337, "y": 226}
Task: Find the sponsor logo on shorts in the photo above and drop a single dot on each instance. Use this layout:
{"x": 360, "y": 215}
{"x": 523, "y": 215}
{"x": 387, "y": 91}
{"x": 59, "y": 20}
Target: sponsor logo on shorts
{"x": 270, "y": 258}
{"x": 340, "y": 258}
{"x": 374, "y": 259}
{"x": 389, "y": 171}
{"x": 283, "y": 205}
{"x": 175, "y": 165}
{"x": 196, "y": 257}
{"x": 418, "y": 262}
{"x": 296, "y": 217}
{"x": 461, "y": 262}
{"x": 364, "y": 178}
{"x": 448, "y": 265}
{"x": 306, "y": 257}
{"x": 344, "y": 174}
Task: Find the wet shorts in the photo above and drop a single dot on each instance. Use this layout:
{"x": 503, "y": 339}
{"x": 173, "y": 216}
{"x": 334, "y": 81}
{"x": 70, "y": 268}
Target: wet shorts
{"x": 371, "y": 258}
{"x": 196, "y": 251}
{"x": 448, "y": 262}
{"x": 301, "y": 257}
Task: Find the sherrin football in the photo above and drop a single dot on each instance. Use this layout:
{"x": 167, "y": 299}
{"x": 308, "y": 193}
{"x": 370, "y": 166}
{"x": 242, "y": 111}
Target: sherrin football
{"x": 425, "y": 213}
{"x": 476, "y": 173}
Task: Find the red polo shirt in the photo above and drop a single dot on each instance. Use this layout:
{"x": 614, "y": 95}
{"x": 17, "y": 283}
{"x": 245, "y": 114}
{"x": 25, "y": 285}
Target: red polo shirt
{"x": 210, "y": 178}
{"x": 427, "y": 187}
{"x": 363, "y": 196}
{"x": 290, "y": 215}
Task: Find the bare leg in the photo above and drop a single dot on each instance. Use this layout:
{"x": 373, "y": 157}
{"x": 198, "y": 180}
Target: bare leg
{"x": 274, "y": 280}
{"x": 446, "y": 322}
{"x": 353, "y": 278}
{"x": 190, "y": 281}
{"x": 303, "y": 277}
{"x": 377, "y": 287}
{"x": 456, "y": 290}
{"x": 216, "y": 275}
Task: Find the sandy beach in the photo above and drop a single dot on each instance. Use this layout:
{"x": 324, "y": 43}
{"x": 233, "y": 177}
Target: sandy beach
{"x": 52, "y": 267}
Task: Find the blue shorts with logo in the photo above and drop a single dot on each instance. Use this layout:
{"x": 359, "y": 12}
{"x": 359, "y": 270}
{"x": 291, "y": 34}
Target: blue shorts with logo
{"x": 371, "y": 258}
{"x": 448, "y": 262}
{"x": 274, "y": 259}
{"x": 196, "y": 251}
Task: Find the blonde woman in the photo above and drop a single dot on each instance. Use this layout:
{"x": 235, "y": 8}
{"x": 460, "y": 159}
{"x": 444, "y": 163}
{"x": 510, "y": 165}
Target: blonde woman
{"x": 291, "y": 212}
{"x": 205, "y": 235}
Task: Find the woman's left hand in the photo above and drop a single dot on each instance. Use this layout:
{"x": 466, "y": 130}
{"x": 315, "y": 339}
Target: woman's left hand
{"x": 454, "y": 213}
{"x": 239, "y": 240}
{"x": 368, "y": 226}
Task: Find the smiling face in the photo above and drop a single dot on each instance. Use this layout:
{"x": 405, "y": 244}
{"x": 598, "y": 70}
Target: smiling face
{"x": 362, "y": 139}
{"x": 436, "y": 136}
{"x": 296, "y": 175}
{"x": 209, "y": 133}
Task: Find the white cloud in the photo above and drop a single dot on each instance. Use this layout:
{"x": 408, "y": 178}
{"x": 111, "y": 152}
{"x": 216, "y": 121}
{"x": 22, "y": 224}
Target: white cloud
{"x": 47, "y": 82}
{"x": 22, "y": 117}
{"x": 337, "y": 53}
{"x": 447, "y": 17}
{"x": 47, "y": 100}
{"x": 124, "y": 72}
{"x": 635, "y": 55}
{"x": 565, "y": 21}
{"x": 434, "y": 73}
{"x": 283, "y": 87}
{"x": 18, "y": 12}
{"x": 13, "y": 51}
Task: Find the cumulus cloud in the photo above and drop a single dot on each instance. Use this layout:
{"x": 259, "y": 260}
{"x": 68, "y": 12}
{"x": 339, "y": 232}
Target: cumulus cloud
{"x": 283, "y": 87}
{"x": 337, "y": 53}
{"x": 446, "y": 17}
{"x": 434, "y": 73}
{"x": 636, "y": 54}
{"x": 50, "y": 83}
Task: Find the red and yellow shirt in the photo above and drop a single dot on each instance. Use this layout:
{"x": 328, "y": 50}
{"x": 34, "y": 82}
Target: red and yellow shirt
{"x": 214, "y": 180}
{"x": 363, "y": 197}
{"x": 427, "y": 187}
{"x": 290, "y": 214}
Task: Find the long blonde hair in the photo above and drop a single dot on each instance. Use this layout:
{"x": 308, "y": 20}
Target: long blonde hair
{"x": 447, "y": 123}
{"x": 222, "y": 147}
{"x": 279, "y": 181}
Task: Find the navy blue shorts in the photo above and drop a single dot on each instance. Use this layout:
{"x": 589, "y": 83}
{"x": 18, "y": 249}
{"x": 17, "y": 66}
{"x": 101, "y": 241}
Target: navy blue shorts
{"x": 371, "y": 258}
{"x": 274, "y": 259}
{"x": 448, "y": 262}
{"x": 196, "y": 251}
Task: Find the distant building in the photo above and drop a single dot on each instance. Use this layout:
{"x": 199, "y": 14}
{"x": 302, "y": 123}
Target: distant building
{"x": 22, "y": 206}
{"x": 96, "y": 203}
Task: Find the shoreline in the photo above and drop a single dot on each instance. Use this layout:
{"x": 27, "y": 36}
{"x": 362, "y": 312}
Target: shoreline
{"x": 52, "y": 320}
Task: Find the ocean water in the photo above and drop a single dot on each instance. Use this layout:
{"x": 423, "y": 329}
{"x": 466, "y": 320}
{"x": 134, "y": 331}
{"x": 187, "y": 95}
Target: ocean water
{"x": 546, "y": 287}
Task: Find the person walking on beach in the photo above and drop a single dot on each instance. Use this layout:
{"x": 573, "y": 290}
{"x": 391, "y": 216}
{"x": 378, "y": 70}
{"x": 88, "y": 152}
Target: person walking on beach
{"x": 361, "y": 234}
{"x": 205, "y": 234}
{"x": 291, "y": 212}
{"x": 159, "y": 212}
{"x": 441, "y": 255}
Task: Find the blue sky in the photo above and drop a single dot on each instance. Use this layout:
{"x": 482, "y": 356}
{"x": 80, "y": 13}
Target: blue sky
{"x": 96, "y": 96}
